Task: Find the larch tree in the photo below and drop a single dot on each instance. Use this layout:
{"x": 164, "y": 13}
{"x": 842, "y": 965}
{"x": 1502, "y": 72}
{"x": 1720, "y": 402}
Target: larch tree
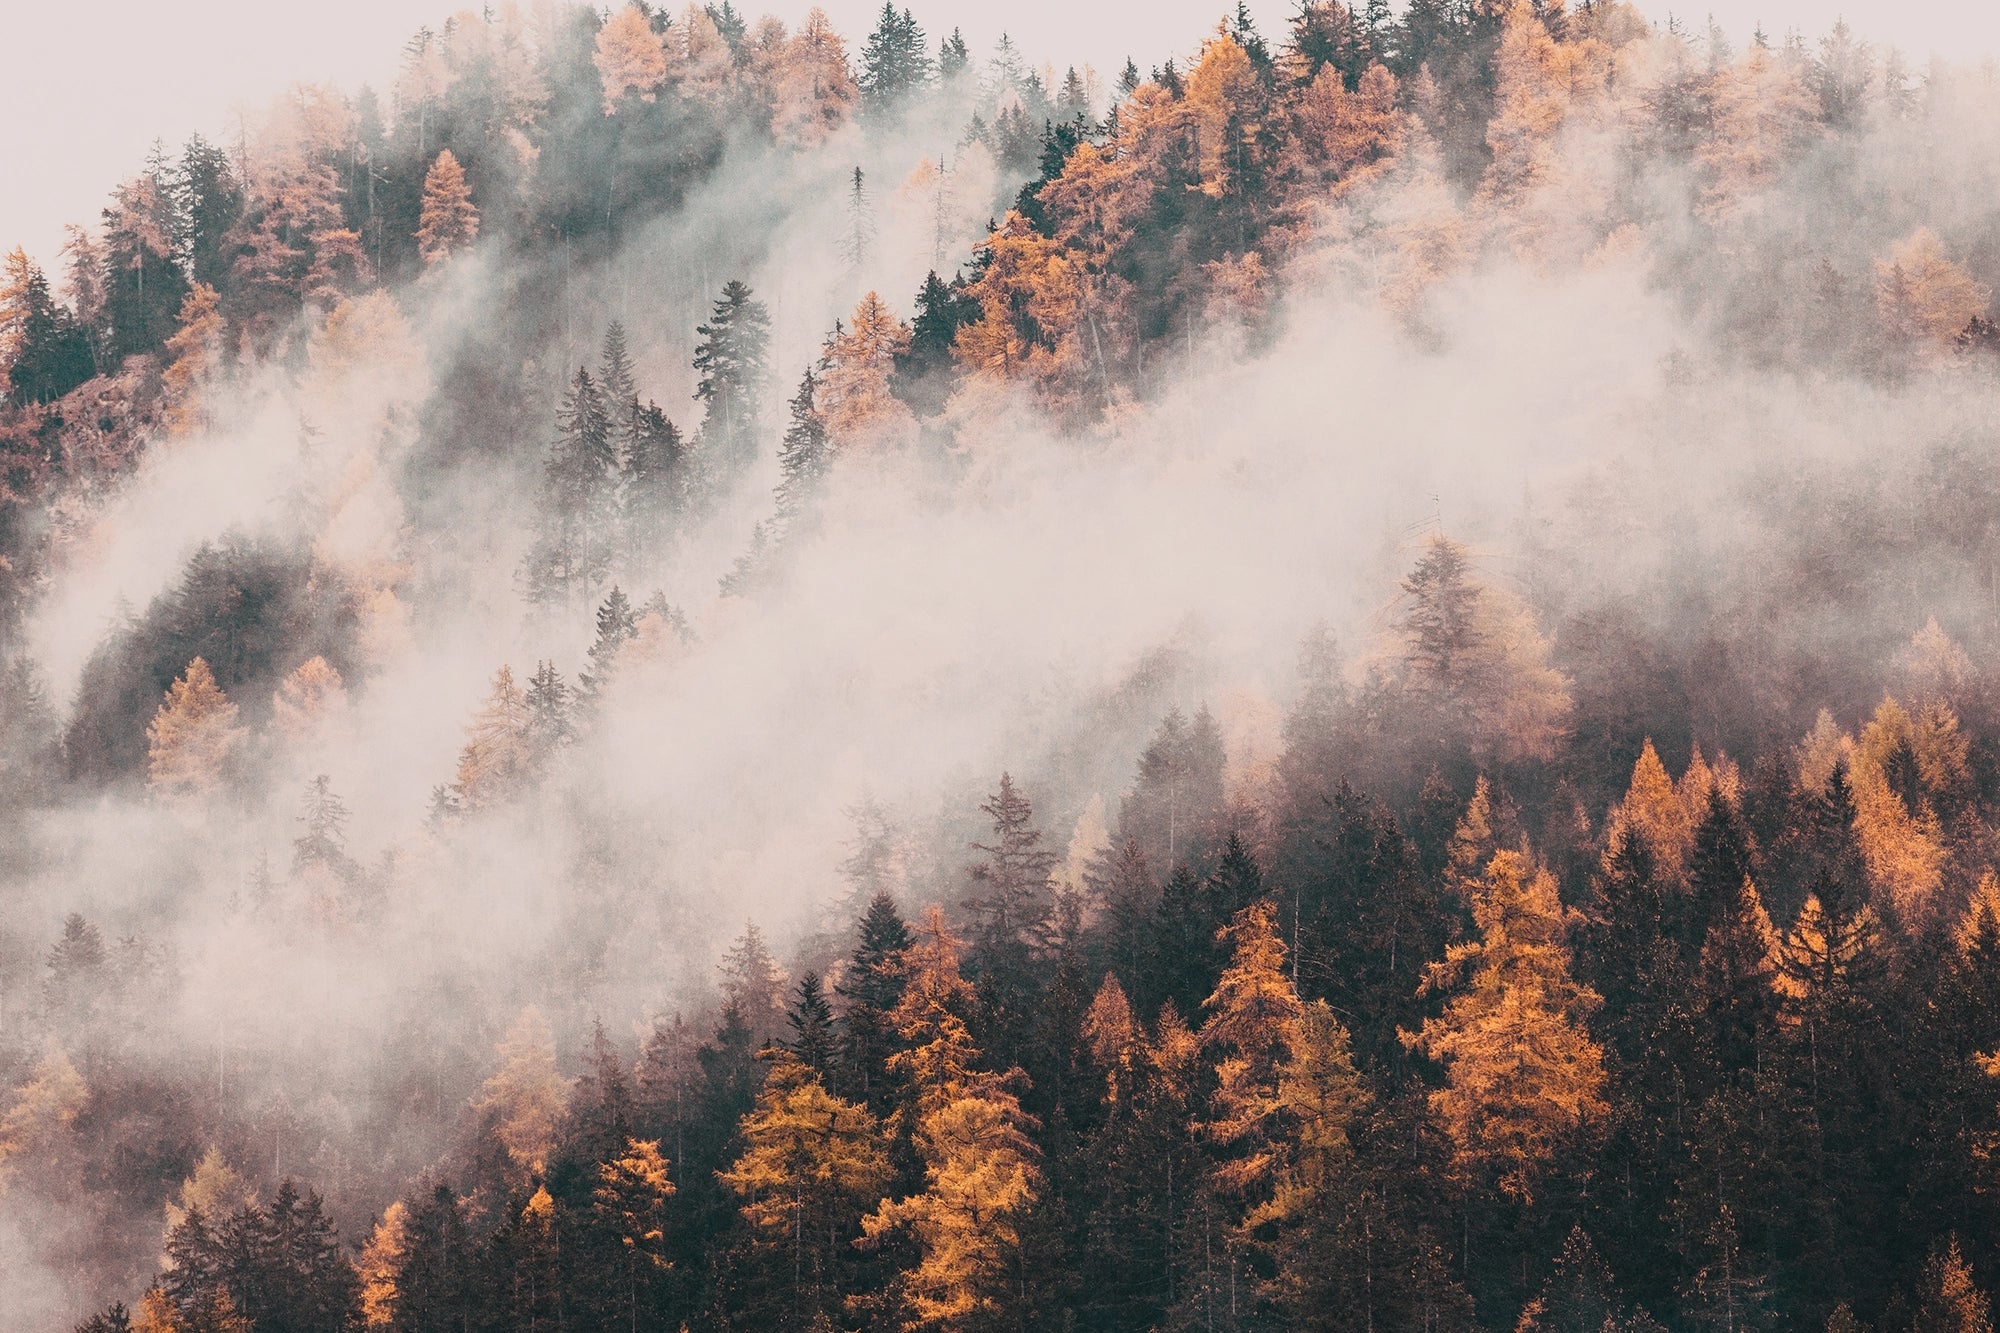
{"x": 1924, "y": 298}
{"x": 496, "y": 757}
{"x": 1522, "y": 1076}
{"x": 854, "y": 397}
{"x": 308, "y": 701}
{"x": 448, "y": 223}
{"x": 524, "y": 1100}
{"x": 812, "y": 89}
{"x": 630, "y": 60}
{"x": 380, "y": 1267}
{"x": 193, "y": 739}
{"x": 1948, "y": 1300}
{"x": 980, "y": 1167}
{"x": 812, "y": 1165}
{"x": 630, "y": 1202}
{"x": 194, "y": 357}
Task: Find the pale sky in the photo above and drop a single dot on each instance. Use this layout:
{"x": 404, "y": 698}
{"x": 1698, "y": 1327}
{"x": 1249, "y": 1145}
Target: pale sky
{"x": 86, "y": 89}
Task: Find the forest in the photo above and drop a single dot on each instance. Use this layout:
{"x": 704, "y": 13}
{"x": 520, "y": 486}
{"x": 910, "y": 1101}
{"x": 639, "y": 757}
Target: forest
{"x": 686, "y": 673}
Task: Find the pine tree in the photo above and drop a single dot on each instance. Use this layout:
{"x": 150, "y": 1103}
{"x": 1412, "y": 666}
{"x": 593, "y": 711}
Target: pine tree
{"x": 895, "y": 60}
{"x": 616, "y": 627}
{"x": 810, "y": 1019}
{"x": 754, "y": 984}
{"x": 954, "y": 57}
{"x": 572, "y": 553}
{"x": 51, "y": 355}
{"x": 730, "y": 363}
{"x": 324, "y": 840}
{"x": 145, "y": 284}
{"x": 550, "y": 721}
{"x": 871, "y": 986}
{"x": 449, "y": 223}
{"x": 655, "y": 484}
{"x": 803, "y": 460}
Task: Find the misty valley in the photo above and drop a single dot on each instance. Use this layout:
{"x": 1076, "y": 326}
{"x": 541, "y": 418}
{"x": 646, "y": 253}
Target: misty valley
{"x": 690, "y": 672}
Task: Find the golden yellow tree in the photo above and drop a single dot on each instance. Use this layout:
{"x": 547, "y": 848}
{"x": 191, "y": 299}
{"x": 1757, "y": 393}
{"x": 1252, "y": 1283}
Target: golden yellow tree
{"x": 812, "y": 89}
{"x": 307, "y": 700}
{"x": 1762, "y": 112}
{"x": 497, "y": 755}
{"x": 380, "y": 1266}
{"x": 524, "y": 1099}
{"x": 1339, "y": 138}
{"x": 1923, "y": 296}
{"x": 1895, "y": 822}
{"x": 630, "y": 58}
{"x": 1224, "y": 96}
{"x": 1521, "y": 1074}
{"x": 853, "y": 395}
{"x": 1653, "y": 811}
{"x": 193, "y": 738}
{"x": 1251, "y": 1017}
{"x": 1540, "y": 80}
{"x": 979, "y": 1164}
{"x": 448, "y": 222}
{"x": 215, "y": 1188}
{"x": 194, "y": 359}
{"x": 631, "y": 1200}
{"x": 811, "y": 1165}
{"x": 46, "y": 1105}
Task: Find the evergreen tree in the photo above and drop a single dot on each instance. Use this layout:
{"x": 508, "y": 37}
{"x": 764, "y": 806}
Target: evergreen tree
{"x": 617, "y": 626}
{"x": 895, "y": 60}
{"x": 655, "y": 484}
{"x": 730, "y": 361}
{"x": 810, "y": 1018}
{"x": 803, "y": 460}
{"x": 573, "y": 551}
{"x": 871, "y": 985}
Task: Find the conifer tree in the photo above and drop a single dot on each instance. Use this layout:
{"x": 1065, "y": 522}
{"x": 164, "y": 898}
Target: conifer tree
{"x": 803, "y": 460}
{"x": 1522, "y": 1076}
{"x": 654, "y": 483}
{"x": 730, "y": 363}
{"x": 630, "y": 1202}
{"x": 1947, "y": 1299}
{"x": 550, "y": 722}
{"x": 449, "y": 223}
{"x": 811, "y": 1166}
{"x": 895, "y": 60}
{"x": 616, "y": 627}
{"x": 573, "y": 550}
{"x": 980, "y": 1168}
{"x": 496, "y": 758}
{"x": 871, "y": 986}
{"x": 523, "y": 1100}
{"x": 192, "y": 740}
{"x": 810, "y": 1019}
{"x": 754, "y": 984}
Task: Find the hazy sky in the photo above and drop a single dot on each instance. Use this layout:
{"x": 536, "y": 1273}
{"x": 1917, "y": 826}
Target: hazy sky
{"x": 86, "y": 90}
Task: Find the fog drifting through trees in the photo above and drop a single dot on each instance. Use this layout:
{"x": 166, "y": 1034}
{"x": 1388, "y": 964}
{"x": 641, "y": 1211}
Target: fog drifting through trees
{"x": 1392, "y": 429}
